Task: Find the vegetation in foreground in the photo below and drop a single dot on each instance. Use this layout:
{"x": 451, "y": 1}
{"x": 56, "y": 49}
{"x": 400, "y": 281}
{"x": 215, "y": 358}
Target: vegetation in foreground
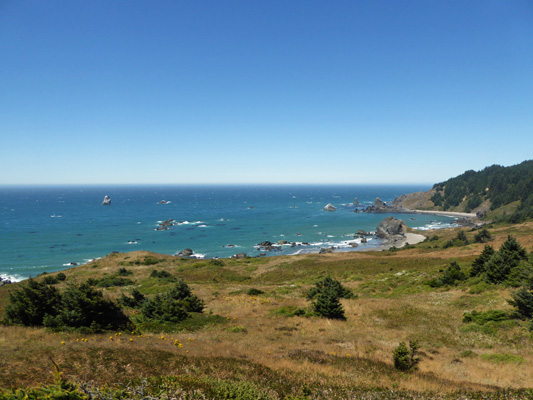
{"x": 251, "y": 328}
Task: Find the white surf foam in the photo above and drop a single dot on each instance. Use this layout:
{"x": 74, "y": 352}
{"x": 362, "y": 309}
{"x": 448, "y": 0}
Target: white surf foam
{"x": 12, "y": 278}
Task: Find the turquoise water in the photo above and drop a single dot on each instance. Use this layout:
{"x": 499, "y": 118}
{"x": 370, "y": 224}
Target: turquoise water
{"x": 50, "y": 228}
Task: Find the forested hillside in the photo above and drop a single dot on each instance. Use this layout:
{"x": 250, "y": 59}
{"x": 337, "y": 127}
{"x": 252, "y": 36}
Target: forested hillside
{"x": 495, "y": 186}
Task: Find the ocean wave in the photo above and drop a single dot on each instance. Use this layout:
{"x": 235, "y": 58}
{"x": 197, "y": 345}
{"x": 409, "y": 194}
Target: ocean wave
{"x": 189, "y": 223}
{"x": 436, "y": 225}
{"x": 12, "y": 278}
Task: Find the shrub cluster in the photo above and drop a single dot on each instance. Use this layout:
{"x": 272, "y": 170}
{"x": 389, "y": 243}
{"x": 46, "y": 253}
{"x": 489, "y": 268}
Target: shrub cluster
{"x": 509, "y": 265}
{"x": 405, "y": 358}
{"x": 79, "y": 306}
{"x": 451, "y": 276}
{"x": 173, "y": 306}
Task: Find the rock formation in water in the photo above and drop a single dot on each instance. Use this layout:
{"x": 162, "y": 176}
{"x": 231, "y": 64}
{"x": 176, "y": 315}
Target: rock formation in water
{"x": 391, "y": 228}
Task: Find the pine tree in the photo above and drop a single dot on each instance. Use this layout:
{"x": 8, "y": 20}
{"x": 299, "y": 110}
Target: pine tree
{"x": 328, "y": 305}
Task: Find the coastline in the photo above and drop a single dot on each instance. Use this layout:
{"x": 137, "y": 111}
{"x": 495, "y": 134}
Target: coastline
{"x": 410, "y": 238}
{"x": 446, "y": 213}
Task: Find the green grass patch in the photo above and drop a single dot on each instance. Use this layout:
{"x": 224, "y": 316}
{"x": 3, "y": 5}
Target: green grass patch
{"x": 291, "y": 311}
{"x": 503, "y": 358}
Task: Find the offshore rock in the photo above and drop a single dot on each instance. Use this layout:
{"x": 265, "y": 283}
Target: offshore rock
{"x": 185, "y": 253}
{"x": 355, "y": 202}
{"x": 391, "y": 228}
{"x": 330, "y": 207}
{"x": 107, "y": 201}
{"x": 380, "y": 206}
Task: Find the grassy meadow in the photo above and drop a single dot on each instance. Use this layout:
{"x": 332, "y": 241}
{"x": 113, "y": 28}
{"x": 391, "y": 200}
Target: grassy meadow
{"x": 255, "y": 345}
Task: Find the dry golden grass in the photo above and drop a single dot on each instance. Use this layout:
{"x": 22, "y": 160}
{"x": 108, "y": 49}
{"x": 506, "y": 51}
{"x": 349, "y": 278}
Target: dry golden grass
{"x": 393, "y": 306}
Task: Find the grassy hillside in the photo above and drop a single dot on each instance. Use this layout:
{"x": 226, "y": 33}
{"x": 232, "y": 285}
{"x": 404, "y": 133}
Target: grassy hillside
{"x": 502, "y": 193}
{"x": 256, "y": 346}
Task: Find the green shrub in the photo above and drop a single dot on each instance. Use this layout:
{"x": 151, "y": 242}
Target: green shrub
{"x": 124, "y": 272}
{"x": 84, "y": 307}
{"x": 482, "y": 318}
{"x": 451, "y": 276}
{"x": 503, "y": 358}
{"x": 113, "y": 281}
{"x": 523, "y": 301}
{"x": 483, "y": 236}
{"x": 61, "y": 277}
{"x": 330, "y": 284}
{"x": 133, "y": 302}
{"x": 290, "y": 311}
{"x": 30, "y": 304}
{"x": 254, "y": 292}
{"x": 163, "y": 308}
{"x": 172, "y": 306}
{"x": 61, "y": 390}
{"x": 478, "y": 266}
{"x": 163, "y": 275}
{"x": 50, "y": 280}
{"x": 405, "y": 358}
{"x": 509, "y": 265}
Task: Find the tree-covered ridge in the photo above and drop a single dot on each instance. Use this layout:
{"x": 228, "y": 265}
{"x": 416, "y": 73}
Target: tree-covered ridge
{"x": 500, "y": 185}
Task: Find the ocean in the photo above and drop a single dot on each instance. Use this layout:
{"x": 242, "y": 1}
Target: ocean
{"x": 47, "y": 229}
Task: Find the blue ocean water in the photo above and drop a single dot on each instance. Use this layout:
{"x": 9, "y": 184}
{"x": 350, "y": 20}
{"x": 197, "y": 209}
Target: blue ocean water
{"x": 50, "y": 228}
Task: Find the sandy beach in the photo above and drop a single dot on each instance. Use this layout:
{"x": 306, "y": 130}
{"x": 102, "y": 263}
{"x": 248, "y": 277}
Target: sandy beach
{"x": 448, "y": 213}
{"x": 410, "y": 238}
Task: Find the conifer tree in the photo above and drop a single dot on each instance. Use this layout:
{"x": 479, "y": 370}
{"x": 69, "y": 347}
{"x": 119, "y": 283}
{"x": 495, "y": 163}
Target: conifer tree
{"x": 328, "y": 305}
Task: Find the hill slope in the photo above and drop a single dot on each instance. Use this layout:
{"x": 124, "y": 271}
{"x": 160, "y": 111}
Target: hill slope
{"x": 503, "y": 192}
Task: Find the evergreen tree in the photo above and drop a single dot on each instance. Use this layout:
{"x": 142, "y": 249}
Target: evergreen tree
{"x": 478, "y": 266}
{"x": 328, "y": 305}
{"x": 329, "y": 283}
{"x": 483, "y": 236}
{"x": 182, "y": 292}
{"x": 523, "y": 301}
{"x": 84, "y": 306}
{"x": 164, "y": 308}
{"x": 31, "y": 303}
{"x": 404, "y": 357}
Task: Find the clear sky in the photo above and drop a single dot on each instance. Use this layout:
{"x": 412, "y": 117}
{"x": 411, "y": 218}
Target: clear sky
{"x": 263, "y": 91}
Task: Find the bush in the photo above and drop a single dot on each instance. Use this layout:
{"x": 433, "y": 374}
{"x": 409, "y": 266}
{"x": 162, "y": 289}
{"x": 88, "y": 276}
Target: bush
{"x": 523, "y": 301}
{"x": 113, "y": 281}
{"x": 162, "y": 275}
{"x": 509, "y": 265}
{"x": 172, "y": 306}
{"x": 405, "y": 358}
{"x": 478, "y": 266}
{"x": 254, "y": 292}
{"x": 330, "y": 284}
{"x": 163, "y": 308}
{"x": 133, "y": 302}
{"x": 30, "y": 304}
{"x": 61, "y": 277}
{"x": 451, "y": 277}
{"x": 483, "y": 236}
{"x": 84, "y": 307}
{"x": 481, "y": 318}
{"x": 124, "y": 272}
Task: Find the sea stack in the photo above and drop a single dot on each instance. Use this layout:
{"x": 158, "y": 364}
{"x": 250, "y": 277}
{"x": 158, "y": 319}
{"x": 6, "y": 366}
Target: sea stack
{"x": 391, "y": 228}
{"x": 330, "y": 207}
{"x": 107, "y": 201}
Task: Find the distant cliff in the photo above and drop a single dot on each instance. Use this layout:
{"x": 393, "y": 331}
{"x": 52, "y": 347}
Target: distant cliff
{"x": 504, "y": 193}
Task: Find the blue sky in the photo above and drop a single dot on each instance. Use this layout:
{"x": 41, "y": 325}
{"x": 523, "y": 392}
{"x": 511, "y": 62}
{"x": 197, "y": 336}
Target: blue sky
{"x": 102, "y": 92}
